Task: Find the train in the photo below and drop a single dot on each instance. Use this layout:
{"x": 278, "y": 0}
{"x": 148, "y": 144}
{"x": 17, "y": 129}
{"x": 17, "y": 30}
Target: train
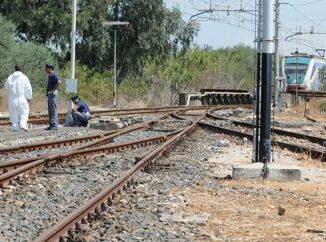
{"x": 303, "y": 72}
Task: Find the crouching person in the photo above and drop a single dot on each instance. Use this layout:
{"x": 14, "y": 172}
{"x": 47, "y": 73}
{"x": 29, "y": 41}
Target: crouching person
{"x": 80, "y": 113}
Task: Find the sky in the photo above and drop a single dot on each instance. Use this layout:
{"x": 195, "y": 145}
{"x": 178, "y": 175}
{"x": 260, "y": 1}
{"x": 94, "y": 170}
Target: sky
{"x": 222, "y": 29}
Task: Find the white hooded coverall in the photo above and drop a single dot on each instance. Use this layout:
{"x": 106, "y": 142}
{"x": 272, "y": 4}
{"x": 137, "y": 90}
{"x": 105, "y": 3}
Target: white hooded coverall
{"x": 20, "y": 90}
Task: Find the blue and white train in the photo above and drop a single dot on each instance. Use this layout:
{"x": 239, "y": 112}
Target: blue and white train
{"x": 303, "y": 72}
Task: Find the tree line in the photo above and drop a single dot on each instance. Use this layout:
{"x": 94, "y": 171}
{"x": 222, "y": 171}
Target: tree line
{"x": 154, "y": 51}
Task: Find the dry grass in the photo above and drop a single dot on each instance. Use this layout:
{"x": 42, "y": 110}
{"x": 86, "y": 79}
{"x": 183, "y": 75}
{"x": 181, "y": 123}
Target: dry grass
{"x": 248, "y": 211}
{"x": 37, "y": 105}
{"x": 315, "y": 108}
{"x": 3, "y": 101}
{"x": 124, "y": 103}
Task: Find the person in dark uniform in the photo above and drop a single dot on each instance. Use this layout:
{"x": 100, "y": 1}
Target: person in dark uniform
{"x": 80, "y": 113}
{"x": 52, "y": 93}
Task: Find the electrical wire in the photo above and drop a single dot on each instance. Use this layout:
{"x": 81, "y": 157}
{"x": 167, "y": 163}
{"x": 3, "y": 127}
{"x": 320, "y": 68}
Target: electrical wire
{"x": 306, "y": 17}
{"x": 308, "y": 3}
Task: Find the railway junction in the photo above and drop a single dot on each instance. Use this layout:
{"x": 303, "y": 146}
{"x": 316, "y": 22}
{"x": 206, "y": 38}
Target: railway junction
{"x": 167, "y": 178}
{"x": 233, "y": 167}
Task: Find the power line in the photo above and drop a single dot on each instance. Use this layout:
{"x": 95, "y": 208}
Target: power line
{"x": 307, "y": 18}
{"x": 308, "y": 3}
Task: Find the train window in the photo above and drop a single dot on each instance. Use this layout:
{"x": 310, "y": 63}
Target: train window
{"x": 291, "y": 69}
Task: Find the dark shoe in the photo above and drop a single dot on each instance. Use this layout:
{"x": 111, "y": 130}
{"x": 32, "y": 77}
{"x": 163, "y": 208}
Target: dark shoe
{"x": 51, "y": 128}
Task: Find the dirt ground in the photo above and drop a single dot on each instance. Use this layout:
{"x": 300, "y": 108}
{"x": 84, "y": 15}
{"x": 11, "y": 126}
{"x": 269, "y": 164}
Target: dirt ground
{"x": 258, "y": 210}
{"x": 249, "y": 210}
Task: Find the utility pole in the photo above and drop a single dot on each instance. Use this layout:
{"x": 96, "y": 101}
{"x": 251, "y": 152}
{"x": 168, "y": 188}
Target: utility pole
{"x": 73, "y": 38}
{"x": 277, "y": 50}
{"x": 296, "y": 77}
{"x": 267, "y": 58}
{"x": 115, "y": 24}
{"x": 258, "y": 81}
{"x": 115, "y": 68}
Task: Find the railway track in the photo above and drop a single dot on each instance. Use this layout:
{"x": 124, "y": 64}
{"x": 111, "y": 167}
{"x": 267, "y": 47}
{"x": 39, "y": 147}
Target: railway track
{"x": 43, "y": 118}
{"x": 65, "y": 186}
{"x": 97, "y": 139}
{"x": 85, "y": 155}
{"x": 53, "y": 144}
{"x": 314, "y": 139}
{"x": 65, "y": 228}
{"x": 103, "y": 199}
{"x": 11, "y": 169}
{"x": 317, "y": 152}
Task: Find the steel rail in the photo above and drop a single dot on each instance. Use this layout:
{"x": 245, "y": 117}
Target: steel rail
{"x": 6, "y": 178}
{"x": 313, "y": 139}
{"x": 53, "y": 144}
{"x": 313, "y": 152}
{"x": 43, "y": 119}
{"x": 125, "y": 110}
{"x": 104, "y": 198}
{"x": 11, "y": 165}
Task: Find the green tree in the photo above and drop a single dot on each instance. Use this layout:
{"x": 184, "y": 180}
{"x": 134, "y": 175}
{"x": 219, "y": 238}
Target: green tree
{"x": 202, "y": 68}
{"x": 154, "y": 31}
{"x": 32, "y": 56}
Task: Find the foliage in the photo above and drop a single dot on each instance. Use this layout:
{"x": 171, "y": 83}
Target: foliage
{"x": 32, "y": 56}
{"x": 93, "y": 86}
{"x": 153, "y": 33}
{"x": 206, "y": 68}
{"x": 198, "y": 68}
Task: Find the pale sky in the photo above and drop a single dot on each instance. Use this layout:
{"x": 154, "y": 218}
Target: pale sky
{"x": 222, "y": 29}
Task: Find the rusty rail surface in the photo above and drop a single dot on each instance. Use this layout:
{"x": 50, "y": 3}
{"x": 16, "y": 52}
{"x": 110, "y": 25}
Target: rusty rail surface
{"x": 11, "y": 165}
{"x": 53, "y": 144}
{"x": 314, "y": 153}
{"x": 36, "y": 165}
{"x": 313, "y": 139}
{"x": 306, "y": 93}
{"x": 104, "y": 198}
{"x": 43, "y": 118}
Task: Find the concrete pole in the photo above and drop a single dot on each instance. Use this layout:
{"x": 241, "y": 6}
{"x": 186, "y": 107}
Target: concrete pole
{"x": 73, "y": 38}
{"x": 277, "y": 38}
{"x": 258, "y": 81}
{"x": 115, "y": 69}
{"x": 277, "y": 50}
{"x": 115, "y": 24}
{"x": 266, "y": 97}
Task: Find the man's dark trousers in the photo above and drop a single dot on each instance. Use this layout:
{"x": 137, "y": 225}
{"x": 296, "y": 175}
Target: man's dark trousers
{"x": 80, "y": 119}
{"x": 52, "y": 109}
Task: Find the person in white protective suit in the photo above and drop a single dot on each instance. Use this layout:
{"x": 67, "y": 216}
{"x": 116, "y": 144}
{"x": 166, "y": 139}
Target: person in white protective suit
{"x": 20, "y": 93}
